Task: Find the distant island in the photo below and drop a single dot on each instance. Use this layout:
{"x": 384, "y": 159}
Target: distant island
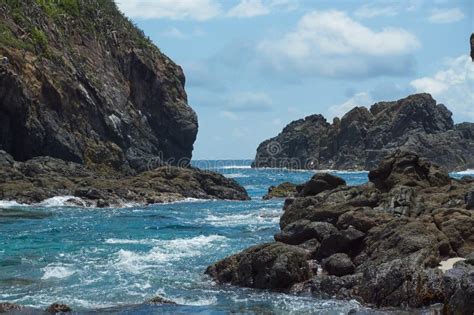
{"x": 363, "y": 137}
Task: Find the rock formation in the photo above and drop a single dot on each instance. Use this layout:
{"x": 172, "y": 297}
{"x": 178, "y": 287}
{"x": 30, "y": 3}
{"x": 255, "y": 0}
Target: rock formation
{"x": 83, "y": 84}
{"x": 282, "y": 190}
{"x": 41, "y": 178}
{"x": 380, "y": 243}
{"x": 362, "y": 137}
{"x": 90, "y": 108}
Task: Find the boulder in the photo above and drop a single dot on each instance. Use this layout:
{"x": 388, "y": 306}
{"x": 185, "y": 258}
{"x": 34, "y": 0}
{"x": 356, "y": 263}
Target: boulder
{"x": 339, "y": 264}
{"x": 273, "y": 266}
{"x": 283, "y": 190}
{"x": 6, "y": 307}
{"x": 159, "y": 300}
{"x": 318, "y": 183}
{"x": 58, "y": 308}
{"x": 302, "y": 230}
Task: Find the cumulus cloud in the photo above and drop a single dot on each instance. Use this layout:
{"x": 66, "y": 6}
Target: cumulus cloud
{"x": 444, "y": 16}
{"x": 453, "y": 86}
{"x": 330, "y": 43}
{"x": 199, "y": 10}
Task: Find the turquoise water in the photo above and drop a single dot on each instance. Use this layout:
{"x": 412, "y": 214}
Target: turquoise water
{"x": 111, "y": 259}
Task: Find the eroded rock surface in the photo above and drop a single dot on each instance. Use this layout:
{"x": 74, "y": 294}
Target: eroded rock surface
{"x": 363, "y": 137}
{"x": 380, "y": 243}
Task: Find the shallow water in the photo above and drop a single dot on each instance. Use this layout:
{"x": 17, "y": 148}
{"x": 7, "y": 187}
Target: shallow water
{"x": 113, "y": 258}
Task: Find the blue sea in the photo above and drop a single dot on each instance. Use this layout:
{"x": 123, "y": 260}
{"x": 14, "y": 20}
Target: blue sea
{"x": 111, "y": 260}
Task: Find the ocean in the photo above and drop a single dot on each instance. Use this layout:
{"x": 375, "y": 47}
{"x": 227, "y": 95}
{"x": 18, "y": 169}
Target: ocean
{"x": 111, "y": 260}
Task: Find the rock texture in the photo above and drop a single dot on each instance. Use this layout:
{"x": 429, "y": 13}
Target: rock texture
{"x": 380, "y": 243}
{"x": 83, "y": 84}
{"x": 363, "y": 137}
{"x": 44, "y": 177}
{"x": 282, "y": 190}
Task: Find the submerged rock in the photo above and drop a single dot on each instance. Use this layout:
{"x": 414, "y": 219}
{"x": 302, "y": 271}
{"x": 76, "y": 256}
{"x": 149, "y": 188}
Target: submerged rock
{"x": 363, "y": 137}
{"x": 380, "y": 243}
{"x": 58, "y": 308}
{"x": 41, "y": 178}
{"x": 159, "y": 300}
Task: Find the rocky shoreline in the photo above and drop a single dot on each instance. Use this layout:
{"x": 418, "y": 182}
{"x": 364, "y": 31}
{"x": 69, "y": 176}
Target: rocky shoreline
{"x": 380, "y": 243}
{"x": 41, "y": 178}
{"x": 363, "y": 137}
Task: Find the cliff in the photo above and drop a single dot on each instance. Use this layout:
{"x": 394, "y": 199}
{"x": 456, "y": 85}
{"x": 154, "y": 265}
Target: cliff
{"x": 362, "y": 137}
{"x": 81, "y": 83}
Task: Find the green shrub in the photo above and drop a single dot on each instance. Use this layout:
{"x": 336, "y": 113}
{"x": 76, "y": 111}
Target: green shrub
{"x": 40, "y": 41}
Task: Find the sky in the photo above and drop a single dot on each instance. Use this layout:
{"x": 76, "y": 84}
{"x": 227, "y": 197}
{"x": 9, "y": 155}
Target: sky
{"x": 253, "y": 66}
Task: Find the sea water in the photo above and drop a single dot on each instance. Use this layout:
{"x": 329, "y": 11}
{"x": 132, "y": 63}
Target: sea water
{"x": 111, "y": 260}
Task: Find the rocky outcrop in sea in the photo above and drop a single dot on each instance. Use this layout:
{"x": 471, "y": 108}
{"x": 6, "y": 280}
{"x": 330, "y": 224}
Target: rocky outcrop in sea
{"x": 404, "y": 239}
{"x": 90, "y": 108}
{"x": 363, "y": 137}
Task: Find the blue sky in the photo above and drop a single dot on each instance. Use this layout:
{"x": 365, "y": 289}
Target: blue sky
{"x": 252, "y": 66}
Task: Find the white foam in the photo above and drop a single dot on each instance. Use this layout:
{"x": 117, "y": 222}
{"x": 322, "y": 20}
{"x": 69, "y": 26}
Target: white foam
{"x": 466, "y": 172}
{"x": 11, "y": 204}
{"x": 448, "y": 264}
{"x": 264, "y": 216}
{"x": 57, "y": 271}
{"x": 61, "y": 201}
{"x": 165, "y": 251}
{"x": 236, "y": 175}
{"x": 236, "y": 167}
{"x": 198, "y": 301}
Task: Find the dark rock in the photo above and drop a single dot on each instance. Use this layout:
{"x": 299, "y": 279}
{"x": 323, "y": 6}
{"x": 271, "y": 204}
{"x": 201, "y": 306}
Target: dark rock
{"x": 267, "y": 266}
{"x": 43, "y": 177}
{"x": 362, "y": 138}
{"x": 338, "y": 265}
{"x": 159, "y": 300}
{"x": 58, "y": 308}
{"x": 284, "y": 190}
{"x": 318, "y": 183}
{"x": 6, "y": 307}
{"x": 469, "y": 198}
{"x": 302, "y": 230}
{"x": 106, "y": 99}
{"x": 381, "y": 243}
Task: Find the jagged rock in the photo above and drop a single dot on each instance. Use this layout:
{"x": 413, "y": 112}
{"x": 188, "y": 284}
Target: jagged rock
{"x": 107, "y": 97}
{"x": 302, "y": 230}
{"x": 160, "y": 300}
{"x": 362, "y": 137}
{"x": 43, "y": 177}
{"x": 469, "y": 198}
{"x": 58, "y": 308}
{"x": 319, "y": 183}
{"x": 385, "y": 239}
{"x": 6, "y": 307}
{"x": 339, "y": 264}
{"x": 283, "y": 190}
{"x": 268, "y": 266}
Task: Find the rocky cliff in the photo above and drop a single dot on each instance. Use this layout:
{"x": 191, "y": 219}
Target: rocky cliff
{"x": 405, "y": 239}
{"x": 79, "y": 82}
{"x": 362, "y": 137}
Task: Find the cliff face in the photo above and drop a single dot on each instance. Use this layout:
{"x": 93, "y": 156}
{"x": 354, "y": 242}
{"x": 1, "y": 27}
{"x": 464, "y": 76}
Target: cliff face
{"x": 362, "y": 137}
{"x": 81, "y": 83}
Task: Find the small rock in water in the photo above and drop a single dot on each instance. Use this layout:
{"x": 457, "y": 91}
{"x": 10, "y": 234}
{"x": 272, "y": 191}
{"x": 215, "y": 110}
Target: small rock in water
{"x": 9, "y": 307}
{"x": 58, "y": 308}
{"x": 160, "y": 300}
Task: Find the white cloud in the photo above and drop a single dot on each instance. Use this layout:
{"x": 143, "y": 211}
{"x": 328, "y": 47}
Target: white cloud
{"x": 446, "y": 15}
{"x": 453, "y": 86}
{"x": 358, "y": 99}
{"x": 249, "y": 8}
{"x": 332, "y": 44}
{"x": 199, "y": 10}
